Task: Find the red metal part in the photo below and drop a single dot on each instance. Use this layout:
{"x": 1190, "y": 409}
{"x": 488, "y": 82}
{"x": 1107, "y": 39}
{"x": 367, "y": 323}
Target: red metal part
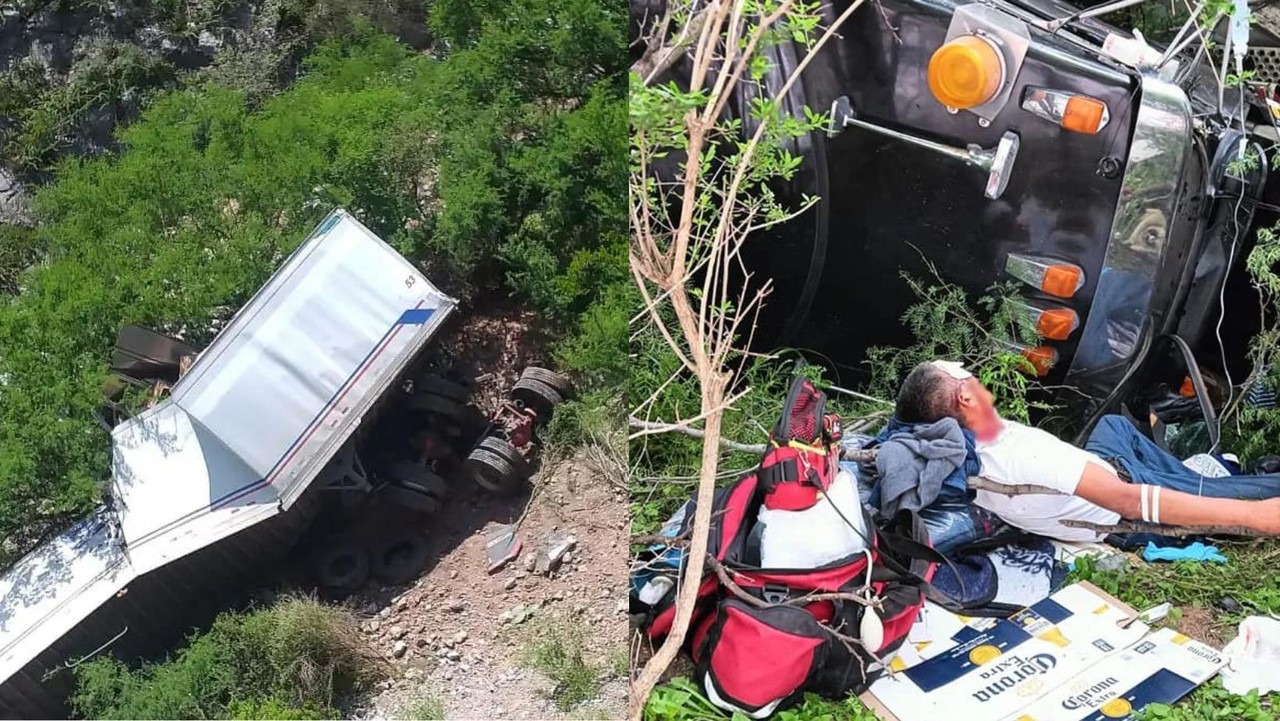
{"x": 516, "y": 424}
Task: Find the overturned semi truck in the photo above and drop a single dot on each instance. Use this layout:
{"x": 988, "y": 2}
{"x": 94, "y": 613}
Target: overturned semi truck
{"x": 213, "y": 484}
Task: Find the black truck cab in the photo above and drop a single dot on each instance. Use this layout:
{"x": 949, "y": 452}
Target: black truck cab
{"x": 1000, "y": 142}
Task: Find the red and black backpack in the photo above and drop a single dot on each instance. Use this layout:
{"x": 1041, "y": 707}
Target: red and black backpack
{"x": 757, "y": 656}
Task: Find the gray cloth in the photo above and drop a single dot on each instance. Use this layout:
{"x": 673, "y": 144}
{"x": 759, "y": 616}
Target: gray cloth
{"x": 913, "y": 465}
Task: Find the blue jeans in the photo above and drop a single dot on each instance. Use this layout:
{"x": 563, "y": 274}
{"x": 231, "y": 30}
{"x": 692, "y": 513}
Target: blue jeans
{"x": 1117, "y": 441}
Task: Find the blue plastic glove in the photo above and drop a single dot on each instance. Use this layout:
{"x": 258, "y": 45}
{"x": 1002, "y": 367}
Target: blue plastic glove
{"x": 1195, "y": 552}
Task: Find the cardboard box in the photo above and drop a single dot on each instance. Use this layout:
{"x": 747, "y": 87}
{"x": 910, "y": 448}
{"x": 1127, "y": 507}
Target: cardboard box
{"x": 1064, "y": 659}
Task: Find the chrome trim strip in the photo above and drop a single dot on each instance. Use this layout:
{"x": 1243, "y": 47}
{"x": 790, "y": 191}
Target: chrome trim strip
{"x": 1162, "y": 143}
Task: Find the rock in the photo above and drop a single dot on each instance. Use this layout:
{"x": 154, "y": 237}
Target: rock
{"x": 420, "y": 642}
{"x": 517, "y": 615}
{"x": 459, "y": 638}
{"x": 604, "y": 593}
{"x": 15, "y": 202}
{"x": 374, "y": 626}
{"x": 530, "y": 562}
{"x": 399, "y": 649}
{"x": 579, "y": 608}
{"x": 523, "y": 574}
{"x": 510, "y": 585}
{"x": 385, "y": 612}
{"x": 456, "y": 606}
{"x": 453, "y": 655}
{"x": 448, "y": 675}
{"x": 465, "y": 668}
{"x": 622, "y": 606}
{"x": 566, "y": 558}
{"x": 453, "y": 574}
{"x": 402, "y": 605}
{"x": 397, "y": 633}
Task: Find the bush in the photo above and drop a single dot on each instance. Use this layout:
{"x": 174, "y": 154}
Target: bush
{"x": 294, "y": 660}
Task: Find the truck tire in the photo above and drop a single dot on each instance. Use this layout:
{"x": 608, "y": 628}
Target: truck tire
{"x": 536, "y": 395}
{"x": 400, "y": 558}
{"x": 415, "y": 488}
{"x": 341, "y": 564}
{"x": 435, "y": 385}
{"x": 497, "y": 466}
{"x": 439, "y": 405}
{"x": 558, "y": 383}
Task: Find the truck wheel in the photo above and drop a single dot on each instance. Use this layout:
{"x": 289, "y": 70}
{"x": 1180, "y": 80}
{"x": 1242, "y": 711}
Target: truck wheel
{"x": 497, "y": 466}
{"x": 558, "y": 383}
{"x": 415, "y": 488}
{"x": 341, "y": 564}
{"x": 536, "y": 395}
{"x": 440, "y": 386}
{"x": 439, "y": 405}
{"x": 401, "y": 558}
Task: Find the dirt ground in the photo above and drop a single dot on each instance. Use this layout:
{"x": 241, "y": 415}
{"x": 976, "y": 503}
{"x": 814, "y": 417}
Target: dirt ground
{"x": 462, "y": 651}
{"x": 458, "y": 639}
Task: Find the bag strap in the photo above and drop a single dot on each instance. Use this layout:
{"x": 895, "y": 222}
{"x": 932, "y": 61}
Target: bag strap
{"x": 912, "y": 548}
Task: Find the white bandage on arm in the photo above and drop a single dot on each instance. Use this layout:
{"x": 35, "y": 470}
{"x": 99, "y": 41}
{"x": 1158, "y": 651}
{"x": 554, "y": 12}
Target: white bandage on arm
{"x": 1149, "y": 503}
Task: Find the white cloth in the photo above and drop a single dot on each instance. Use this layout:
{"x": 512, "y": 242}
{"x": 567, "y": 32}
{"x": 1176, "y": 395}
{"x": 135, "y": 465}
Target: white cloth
{"x": 817, "y": 535}
{"x": 1253, "y": 657}
{"x": 1022, "y": 454}
{"x": 1208, "y": 466}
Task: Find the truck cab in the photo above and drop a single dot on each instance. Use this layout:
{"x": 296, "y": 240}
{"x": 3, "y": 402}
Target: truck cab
{"x": 1016, "y": 142}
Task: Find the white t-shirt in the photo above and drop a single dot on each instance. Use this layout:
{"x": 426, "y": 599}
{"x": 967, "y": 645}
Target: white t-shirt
{"x": 1022, "y": 454}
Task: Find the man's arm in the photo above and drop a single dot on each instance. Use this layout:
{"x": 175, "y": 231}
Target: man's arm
{"x": 1102, "y": 487}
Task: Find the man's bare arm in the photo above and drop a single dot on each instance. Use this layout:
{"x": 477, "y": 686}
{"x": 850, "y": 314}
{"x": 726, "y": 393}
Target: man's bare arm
{"x": 1102, "y": 487}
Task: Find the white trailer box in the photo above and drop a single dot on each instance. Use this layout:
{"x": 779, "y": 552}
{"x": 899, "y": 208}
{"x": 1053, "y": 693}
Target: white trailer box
{"x": 240, "y": 438}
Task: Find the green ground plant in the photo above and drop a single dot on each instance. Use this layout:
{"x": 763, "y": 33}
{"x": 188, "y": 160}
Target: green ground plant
{"x": 681, "y": 700}
{"x": 556, "y": 650}
{"x": 293, "y": 660}
{"x": 427, "y": 708}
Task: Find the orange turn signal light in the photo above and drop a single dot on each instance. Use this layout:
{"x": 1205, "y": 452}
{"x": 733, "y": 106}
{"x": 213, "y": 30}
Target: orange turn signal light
{"x": 1077, "y": 113}
{"x": 1042, "y": 358}
{"x": 1062, "y": 280}
{"x": 1188, "y": 389}
{"x": 965, "y": 72}
{"x": 1057, "y": 323}
{"x": 1084, "y": 115}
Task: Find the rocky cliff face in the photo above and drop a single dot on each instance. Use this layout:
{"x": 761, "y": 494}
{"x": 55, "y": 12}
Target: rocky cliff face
{"x": 71, "y": 71}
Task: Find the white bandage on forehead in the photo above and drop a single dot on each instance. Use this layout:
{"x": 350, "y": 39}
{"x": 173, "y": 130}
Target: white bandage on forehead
{"x": 954, "y": 369}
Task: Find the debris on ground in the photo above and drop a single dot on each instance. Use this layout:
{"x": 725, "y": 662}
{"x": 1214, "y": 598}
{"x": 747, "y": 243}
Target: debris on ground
{"x": 1253, "y": 657}
{"x": 503, "y": 545}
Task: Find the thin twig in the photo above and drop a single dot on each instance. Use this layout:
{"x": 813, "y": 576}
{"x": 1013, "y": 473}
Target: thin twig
{"x": 1159, "y": 529}
{"x": 695, "y": 433}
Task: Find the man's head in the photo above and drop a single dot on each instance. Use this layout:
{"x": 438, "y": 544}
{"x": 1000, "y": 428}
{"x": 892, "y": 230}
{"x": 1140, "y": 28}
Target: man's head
{"x": 944, "y": 389}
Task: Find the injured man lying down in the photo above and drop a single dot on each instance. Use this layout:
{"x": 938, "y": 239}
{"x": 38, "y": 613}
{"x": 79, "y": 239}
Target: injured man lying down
{"x": 1120, "y": 474}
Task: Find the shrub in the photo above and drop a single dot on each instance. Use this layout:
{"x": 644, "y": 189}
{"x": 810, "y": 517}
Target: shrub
{"x": 294, "y": 660}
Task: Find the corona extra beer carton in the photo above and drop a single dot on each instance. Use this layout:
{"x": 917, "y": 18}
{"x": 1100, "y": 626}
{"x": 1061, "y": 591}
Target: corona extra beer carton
{"x": 1076, "y": 655}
